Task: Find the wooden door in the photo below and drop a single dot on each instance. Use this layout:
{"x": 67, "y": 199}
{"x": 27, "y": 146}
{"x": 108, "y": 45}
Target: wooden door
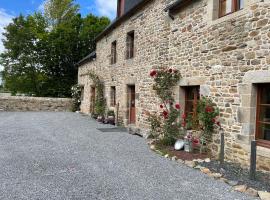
{"x": 92, "y": 100}
{"x": 132, "y": 107}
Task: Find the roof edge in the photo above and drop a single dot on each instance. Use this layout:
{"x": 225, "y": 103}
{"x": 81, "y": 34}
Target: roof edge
{"x": 119, "y": 20}
{"x": 89, "y": 57}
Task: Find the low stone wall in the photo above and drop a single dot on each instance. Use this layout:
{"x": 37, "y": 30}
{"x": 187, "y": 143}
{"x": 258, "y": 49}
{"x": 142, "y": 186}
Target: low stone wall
{"x": 35, "y": 104}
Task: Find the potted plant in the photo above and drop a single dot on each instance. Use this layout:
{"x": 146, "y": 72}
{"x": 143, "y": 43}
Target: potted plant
{"x": 110, "y": 117}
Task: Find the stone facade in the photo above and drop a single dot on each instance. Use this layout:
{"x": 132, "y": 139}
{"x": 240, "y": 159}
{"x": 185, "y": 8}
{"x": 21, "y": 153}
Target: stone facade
{"x": 20, "y": 104}
{"x": 225, "y": 56}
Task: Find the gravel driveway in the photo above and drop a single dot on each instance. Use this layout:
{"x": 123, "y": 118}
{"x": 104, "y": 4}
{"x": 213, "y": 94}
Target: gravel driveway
{"x": 63, "y": 156}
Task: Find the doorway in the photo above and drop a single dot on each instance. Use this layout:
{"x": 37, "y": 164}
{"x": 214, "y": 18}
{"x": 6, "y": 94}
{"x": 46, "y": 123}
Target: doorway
{"x": 92, "y": 99}
{"x": 131, "y": 104}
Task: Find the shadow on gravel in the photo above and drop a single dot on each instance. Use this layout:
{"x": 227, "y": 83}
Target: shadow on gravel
{"x": 112, "y": 130}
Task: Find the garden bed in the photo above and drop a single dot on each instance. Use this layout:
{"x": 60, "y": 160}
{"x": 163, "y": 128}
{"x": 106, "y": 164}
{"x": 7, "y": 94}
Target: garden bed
{"x": 181, "y": 154}
{"x": 235, "y": 173}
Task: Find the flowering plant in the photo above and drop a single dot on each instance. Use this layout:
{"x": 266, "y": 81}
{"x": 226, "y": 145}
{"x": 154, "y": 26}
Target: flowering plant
{"x": 76, "y": 92}
{"x": 207, "y": 114}
{"x": 165, "y": 80}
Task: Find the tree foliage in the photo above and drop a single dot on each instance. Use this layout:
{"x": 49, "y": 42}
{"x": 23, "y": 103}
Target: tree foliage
{"x": 42, "y": 49}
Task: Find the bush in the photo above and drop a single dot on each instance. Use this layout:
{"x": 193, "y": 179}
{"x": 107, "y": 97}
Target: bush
{"x": 207, "y": 114}
{"x": 76, "y": 92}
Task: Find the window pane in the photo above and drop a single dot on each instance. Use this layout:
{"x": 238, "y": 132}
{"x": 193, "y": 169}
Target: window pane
{"x": 264, "y": 132}
{"x": 241, "y": 4}
{"x": 264, "y": 114}
{"x": 265, "y": 94}
{"x": 192, "y": 95}
{"x": 226, "y": 7}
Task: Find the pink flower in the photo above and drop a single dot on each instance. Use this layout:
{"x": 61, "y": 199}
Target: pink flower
{"x": 175, "y": 71}
{"x": 153, "y": 73}
{"x": 184, "y": 116}
{"x": 177, "y": 106}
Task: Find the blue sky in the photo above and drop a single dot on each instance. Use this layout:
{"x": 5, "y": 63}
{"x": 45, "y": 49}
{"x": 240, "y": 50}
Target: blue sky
{"x": 98, "y": 7}
{"x": 12, "y": 8}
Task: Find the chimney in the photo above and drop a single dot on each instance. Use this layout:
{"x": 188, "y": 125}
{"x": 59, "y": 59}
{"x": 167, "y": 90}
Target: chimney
{"x": 120, "y": 8}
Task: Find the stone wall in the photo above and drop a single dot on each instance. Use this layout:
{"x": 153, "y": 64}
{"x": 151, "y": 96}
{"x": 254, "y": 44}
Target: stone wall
{"x": 219, "y": 55}
{"x": 18, "y": 104}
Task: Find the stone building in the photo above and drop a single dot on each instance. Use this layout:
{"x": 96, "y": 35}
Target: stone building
{"x": 221, "y": 48}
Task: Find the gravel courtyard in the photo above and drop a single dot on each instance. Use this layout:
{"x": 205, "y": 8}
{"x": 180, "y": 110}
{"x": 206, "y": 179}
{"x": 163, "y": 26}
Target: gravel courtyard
{"x": 64, "y": 156}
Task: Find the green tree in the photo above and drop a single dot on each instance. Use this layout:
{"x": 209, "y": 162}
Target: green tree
{"x": 22, "y": 70}
{"x": 42, "y": 49}
{"x": 59, "y": 11}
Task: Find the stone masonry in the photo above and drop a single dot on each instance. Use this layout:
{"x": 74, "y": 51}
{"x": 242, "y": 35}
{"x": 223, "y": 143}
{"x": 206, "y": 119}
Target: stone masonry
{"x": 225, "y": 56}
{"x": 20, "y": 104}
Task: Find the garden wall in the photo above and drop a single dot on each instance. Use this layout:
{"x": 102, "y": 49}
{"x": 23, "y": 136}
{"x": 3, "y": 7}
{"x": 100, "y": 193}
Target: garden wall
{"x": 20, "y": 104}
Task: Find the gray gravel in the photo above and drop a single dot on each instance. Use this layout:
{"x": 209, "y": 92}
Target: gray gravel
{"x": 63, "y": 156}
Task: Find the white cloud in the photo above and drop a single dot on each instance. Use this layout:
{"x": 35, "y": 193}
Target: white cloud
{"x": 106, "y": 8}
{"x": 5, "y": 20}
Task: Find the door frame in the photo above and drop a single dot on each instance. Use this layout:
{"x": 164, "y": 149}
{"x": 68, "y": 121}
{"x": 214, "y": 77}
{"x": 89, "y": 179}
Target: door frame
{"x": 92, "y": 99}
{"x": 131, "y": 95}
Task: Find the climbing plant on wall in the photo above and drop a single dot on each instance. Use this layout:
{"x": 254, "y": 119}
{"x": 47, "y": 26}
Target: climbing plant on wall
{"x": 100, "y": 103}
{"x": 165, "y": 81}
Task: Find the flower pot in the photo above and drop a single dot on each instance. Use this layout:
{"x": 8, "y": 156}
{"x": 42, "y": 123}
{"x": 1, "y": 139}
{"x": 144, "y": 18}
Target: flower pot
{"x": 188, "y": 146}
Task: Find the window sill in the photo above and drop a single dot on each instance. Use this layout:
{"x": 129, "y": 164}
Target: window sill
{"x": 263, "y": 143}
{"x": 232, "y": 16}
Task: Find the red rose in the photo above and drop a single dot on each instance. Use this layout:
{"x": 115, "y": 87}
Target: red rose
{"x": 184, "y": 124}
{"x": 165, "y": 113}
{"x": 161, "y": 106}
{"x": 184, "y": 116}
{"x": 175, "y": 71}
{"x": 214, "y": 120}
{"x": 153, "y": 73}
{"x": 218, "y": 123}
{"x": 177, "y": 106}
{"x": 208, "y": 109}
{"x": 196, "y": 141}
{"x": 170, "y": 70}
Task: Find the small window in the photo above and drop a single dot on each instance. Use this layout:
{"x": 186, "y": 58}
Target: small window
{"x": 192, "y": 95}
{"x": 229, "y": 6}
{"x": 130, "y": 45}
{"x": 113, "y": 53}
{"x": 113, "y": 96}
{"x": 263, "y": 115}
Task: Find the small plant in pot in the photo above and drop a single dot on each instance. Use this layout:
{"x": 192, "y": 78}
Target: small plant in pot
{"x": 110, "y": 118}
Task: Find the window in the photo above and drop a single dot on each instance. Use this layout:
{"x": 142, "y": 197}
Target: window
{"x": 263, "y": 115}
{"x": 192, "y": 95}
{"x": 113, "y": 53}
{"x": 113, "y": 96}
{"x": 130, "y": 45}
{"x": 229, "y": 6}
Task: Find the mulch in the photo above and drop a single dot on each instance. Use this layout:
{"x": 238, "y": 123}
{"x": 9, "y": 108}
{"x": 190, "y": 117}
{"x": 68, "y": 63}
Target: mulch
{"x": 183, "y": 155}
